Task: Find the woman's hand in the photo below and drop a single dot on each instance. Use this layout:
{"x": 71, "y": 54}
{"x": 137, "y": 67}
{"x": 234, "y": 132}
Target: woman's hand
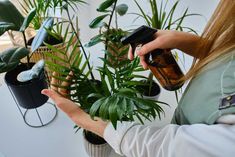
{"x": 73, "y": 111}
{"x": 168, "y": 39}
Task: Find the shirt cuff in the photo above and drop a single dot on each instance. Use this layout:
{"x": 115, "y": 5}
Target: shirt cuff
{"x": 115, "y": 137}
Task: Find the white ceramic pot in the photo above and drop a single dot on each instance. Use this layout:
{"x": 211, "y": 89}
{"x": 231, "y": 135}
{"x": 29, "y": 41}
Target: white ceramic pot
{"x": 97, "y": 150}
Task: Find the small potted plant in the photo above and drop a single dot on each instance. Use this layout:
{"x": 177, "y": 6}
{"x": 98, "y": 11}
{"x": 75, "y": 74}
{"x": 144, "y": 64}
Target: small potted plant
{"x": 25, "y": 86}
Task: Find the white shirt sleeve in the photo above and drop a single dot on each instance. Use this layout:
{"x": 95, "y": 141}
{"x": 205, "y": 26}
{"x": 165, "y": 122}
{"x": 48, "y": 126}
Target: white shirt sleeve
{"x": 197, "y": 140}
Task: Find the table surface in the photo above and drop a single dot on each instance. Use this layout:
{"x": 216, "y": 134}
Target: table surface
{"x": 58, "y": 139}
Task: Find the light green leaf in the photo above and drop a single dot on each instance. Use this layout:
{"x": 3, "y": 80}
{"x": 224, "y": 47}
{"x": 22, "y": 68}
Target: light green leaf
{"x": 42, "y": 34}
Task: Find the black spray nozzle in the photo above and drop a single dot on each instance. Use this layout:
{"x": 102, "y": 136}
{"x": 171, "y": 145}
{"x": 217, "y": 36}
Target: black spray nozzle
{"x": 140, "y": 36}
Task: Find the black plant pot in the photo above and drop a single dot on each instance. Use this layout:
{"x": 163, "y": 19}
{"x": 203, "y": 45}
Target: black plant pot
{"x": 27, "y": 94}
{"x": 147, "y": 91}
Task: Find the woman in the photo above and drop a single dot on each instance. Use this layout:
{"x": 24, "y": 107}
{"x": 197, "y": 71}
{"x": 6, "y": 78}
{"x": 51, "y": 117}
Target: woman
{"x": 204, "y": 122}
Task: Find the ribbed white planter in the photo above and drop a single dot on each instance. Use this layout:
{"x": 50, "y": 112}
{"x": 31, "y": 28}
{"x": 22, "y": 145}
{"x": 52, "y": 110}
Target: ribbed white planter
{"x": 93, "y": 150}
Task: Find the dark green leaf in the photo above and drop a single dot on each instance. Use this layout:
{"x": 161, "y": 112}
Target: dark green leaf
{"x": 95, "y": 40}
{"x": 5, "y": 26}
{"x": 10, "y": 58}
{"x": 98, "y": 22}
{"x": 121, "y": 9}
{"x": 105, "y": 5}
{"x": 28, "y": 20}
{"x": 10, "y": 14}
{"x": 113, "y": 115}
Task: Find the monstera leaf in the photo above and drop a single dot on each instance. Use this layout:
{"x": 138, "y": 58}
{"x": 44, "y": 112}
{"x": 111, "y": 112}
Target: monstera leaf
{"x": 10, "y": 14}
{"x": 10, "y": 58}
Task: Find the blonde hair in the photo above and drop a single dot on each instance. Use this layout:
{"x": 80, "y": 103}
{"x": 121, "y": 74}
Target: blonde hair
{"x": 218, "y": 37}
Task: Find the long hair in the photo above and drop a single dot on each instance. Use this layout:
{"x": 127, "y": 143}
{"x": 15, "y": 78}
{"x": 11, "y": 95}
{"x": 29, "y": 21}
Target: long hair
{"x": 218, "y": 37}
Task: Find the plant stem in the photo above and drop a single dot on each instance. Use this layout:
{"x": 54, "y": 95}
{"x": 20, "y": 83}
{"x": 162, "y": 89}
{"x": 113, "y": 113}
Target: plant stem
{"x": 83, "y": 50}
{"x": 109, "y": 24}
{"x": 150, "y": 81}
{"x": 25, "y": 44}
{"x": 116, "y": 20}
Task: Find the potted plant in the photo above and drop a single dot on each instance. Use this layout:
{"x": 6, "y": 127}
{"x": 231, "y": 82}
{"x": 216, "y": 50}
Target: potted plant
{"x": 44, "y": 10}
{"x": 113, "y": 95}
{"x": 108, "y": 35}
{"x": 163, "y": 19}
{"x": 26, "y": 93}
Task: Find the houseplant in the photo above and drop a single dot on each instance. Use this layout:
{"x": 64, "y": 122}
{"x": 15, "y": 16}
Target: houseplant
{"x": 163, "y": 19}
{"x": 26, "y": 94}
{"x": 113, "y": 95}
{"x": 44, "y": 10}
{"x": 110, "y": 35}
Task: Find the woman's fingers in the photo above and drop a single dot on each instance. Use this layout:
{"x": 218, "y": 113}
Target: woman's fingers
{"x": 54, "y": 81}
{"x": 130, "y": 53}
{"x": 143, "y": 62}
{"x": 66, "y": 105}
{"x": 51, "y": 94}
{"x": 64, "y": 84}
{"x": 145, "y": 49}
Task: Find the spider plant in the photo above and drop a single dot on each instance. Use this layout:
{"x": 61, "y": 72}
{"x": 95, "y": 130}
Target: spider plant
{"x": 165, "y": 19}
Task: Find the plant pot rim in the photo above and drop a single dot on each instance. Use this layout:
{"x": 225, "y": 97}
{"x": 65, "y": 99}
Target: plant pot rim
{"x": 45, "y": 47}
{"x": 21, "y": 84}
{"x": 98, "y": 145}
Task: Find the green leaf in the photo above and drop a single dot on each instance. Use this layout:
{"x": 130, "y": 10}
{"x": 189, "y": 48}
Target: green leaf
{"x": 143, "y": 13}
{"x": 95, "y": 40}
{"x": 98, "y": 22}
{"x": 28, "y": 20}
{"x": 94, "y": 95}
{"x": 95, "y": 107}
{"x": 5, "y": 26}
{"x": 122, "y": 9}
{"x": 10, "y": 58}
{"x": 105, "y": 5}
{"x": 104, "y": 108}
{"x": 10, "y": 14}
{"x": 110, "y": 78}
{"x": 42, "y": 34}
{"x": 113, "y": 115}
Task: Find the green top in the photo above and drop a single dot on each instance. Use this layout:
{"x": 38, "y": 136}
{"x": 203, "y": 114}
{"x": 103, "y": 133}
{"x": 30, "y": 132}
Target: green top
{"x": 202, "y": 98}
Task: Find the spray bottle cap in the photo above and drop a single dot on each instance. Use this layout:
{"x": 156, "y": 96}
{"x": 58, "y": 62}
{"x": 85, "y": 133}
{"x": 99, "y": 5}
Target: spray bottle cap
{"x": 141, "y": 35}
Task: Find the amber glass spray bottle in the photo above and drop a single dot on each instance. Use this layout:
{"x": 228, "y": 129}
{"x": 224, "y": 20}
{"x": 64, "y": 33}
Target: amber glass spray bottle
{"x": 161, "y": 62}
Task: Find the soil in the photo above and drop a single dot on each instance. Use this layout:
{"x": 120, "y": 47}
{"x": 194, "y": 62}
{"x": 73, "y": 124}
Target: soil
{"x": 50, "y": 40}
{"x": 155, "y": 89}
